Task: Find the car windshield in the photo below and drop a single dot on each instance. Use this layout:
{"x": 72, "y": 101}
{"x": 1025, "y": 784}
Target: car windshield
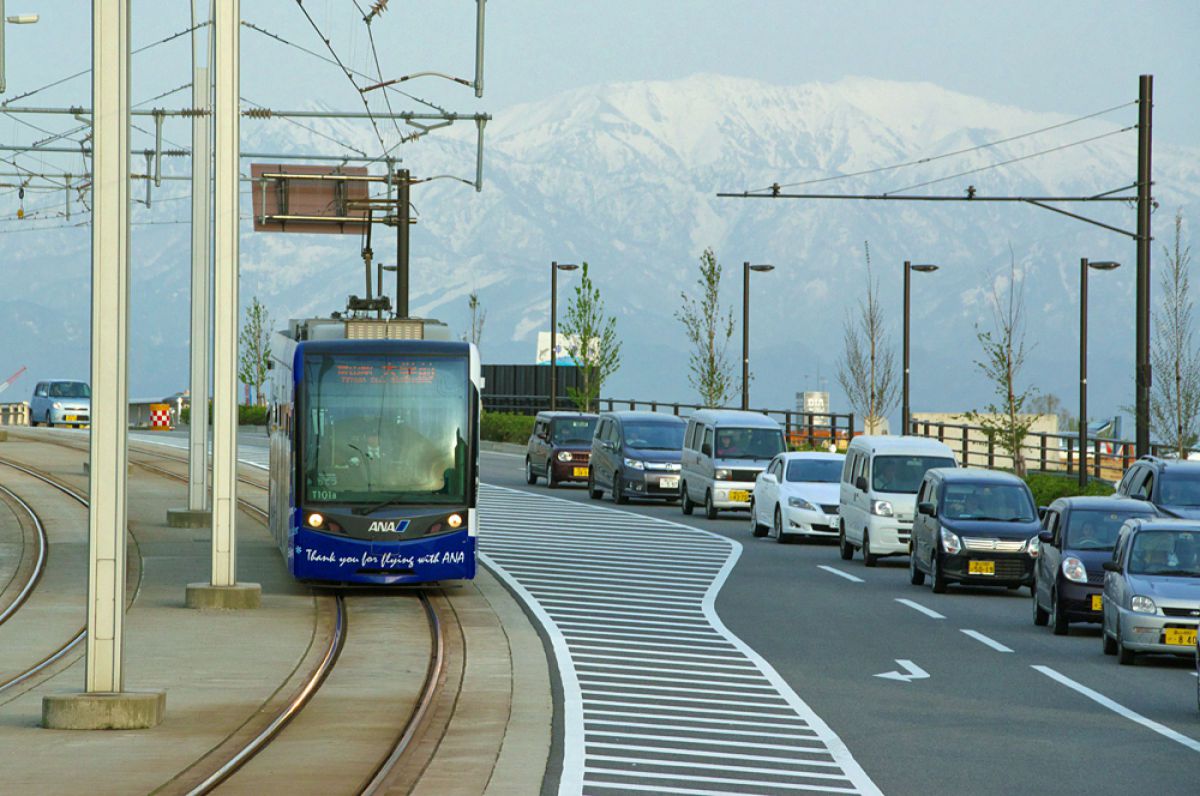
{"x": 1096, "y": 529}
{"x": 70, "y": 389}
{"x": 655, "y": 436}
{"x": 748, "y": 443}
{"x": 817, "y": 471}
{"x": 385, "y": 427}
{"x": 903, "y": 474}
{"x": 1179, "y": 487}
{"x": 572, "y": 430}
{"x": 997, "y": 502}
{"x": 1166, "y": 552}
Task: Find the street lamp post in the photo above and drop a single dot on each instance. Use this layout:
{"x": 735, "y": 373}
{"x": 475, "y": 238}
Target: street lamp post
{"x": 746, "y": 269}
{"x": 923, "y": 268}
{"x": 15, "y": 19}
{"x": 555, "y": 267}
{"x": 1084, "y": 265}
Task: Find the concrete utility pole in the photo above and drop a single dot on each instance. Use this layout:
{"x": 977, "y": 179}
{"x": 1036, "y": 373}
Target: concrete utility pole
{"x": 1144, "y": 236}
{"x": 223, "y": 590}
{"x": 104, "y": 703}
{"x": 197, "y": 515}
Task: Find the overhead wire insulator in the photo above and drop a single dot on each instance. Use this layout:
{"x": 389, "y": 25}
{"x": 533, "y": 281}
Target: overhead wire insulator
{"x": 257, "y": 113}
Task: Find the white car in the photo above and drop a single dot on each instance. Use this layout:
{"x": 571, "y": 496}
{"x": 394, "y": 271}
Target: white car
{"x": 797, "y": 495}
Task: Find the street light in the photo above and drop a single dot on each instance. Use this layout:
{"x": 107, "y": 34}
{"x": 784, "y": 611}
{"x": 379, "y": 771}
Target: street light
{"x": 746, "y": 269}
{"x": 924, "y": 268}
{"x": 555, "y": 267}
{"x": 15, "y": 19}
{"x": 1084, "y": 265}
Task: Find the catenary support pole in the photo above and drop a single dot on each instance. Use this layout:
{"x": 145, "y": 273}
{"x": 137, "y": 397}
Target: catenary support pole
{"x": 1083, "y": 308}
{"x": 746, "y": 335}
{"x": 1144, "y": 237}
{"x": 223, "y": 590}
{"x": 403, "y": 211}
{"x": 201, "y": 288}
{"x": 553, "y": 336}
{"x": 904, "y": 408}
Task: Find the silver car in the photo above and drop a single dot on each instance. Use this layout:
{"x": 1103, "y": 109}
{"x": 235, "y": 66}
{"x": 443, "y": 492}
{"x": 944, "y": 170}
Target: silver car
{"x": 1151, "y": 599}
{"x": 61, "y": 402}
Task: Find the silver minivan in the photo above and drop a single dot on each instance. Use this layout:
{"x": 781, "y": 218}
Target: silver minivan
{"x": 61, "y": 402}
{"x": 880, "y": 480}
{"x": 724, "y": 450}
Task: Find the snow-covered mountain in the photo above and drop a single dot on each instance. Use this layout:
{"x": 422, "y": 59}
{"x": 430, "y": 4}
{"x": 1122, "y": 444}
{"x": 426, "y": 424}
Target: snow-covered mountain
{"x": 625, "y": 176}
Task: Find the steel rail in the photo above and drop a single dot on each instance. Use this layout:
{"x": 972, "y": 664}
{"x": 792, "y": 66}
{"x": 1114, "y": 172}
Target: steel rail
{"x": 39, "y": 565}
{"x": 433, "y": 676}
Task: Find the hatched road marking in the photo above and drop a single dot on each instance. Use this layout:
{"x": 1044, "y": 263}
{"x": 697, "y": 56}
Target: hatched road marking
{"x": 659, "y": 696}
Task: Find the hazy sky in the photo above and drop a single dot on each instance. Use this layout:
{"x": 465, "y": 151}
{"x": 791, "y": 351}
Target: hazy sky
{"x": 1068, "y": 56}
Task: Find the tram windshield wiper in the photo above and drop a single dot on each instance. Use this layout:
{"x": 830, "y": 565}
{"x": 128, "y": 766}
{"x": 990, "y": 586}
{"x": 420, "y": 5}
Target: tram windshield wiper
{"x": 393, "y": 500}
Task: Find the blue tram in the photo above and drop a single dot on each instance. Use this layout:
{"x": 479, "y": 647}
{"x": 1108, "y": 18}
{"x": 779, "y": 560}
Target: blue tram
{"x": 374, "y": 451}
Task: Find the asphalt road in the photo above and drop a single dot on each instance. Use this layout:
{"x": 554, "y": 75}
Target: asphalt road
{"x": 984, "y": 719}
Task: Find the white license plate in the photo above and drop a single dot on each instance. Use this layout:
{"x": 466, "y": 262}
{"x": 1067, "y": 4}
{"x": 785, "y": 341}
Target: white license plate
{"x": 669, "y": 482}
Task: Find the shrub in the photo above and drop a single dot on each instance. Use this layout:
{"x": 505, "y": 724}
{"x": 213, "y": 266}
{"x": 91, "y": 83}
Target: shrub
{"x": 1048, "y": 487}
{"x": 505, "y": 427}
{"x": 252, "y": 415}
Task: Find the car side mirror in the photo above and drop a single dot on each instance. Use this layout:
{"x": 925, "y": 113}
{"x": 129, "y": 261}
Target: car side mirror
{"x": 706, "y": 449}
{"x": 1042, "y": 512}
{"x": 860, "y": 483}
{"x": 1110, "y": 566}
{"x": 769, "y": 478}
{"x": 1046, "y": 537}
{"x": 926, "y": 508}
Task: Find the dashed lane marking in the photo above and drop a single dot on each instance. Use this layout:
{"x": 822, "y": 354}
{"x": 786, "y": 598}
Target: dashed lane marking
{"x": 841, "y": 574}
{"x": 659, "y": 696}
{"x": 991, "y": 642}
{"x": 916, "y": 606}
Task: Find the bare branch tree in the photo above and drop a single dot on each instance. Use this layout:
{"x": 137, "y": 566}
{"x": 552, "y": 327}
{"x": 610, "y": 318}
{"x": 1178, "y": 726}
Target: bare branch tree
{"x": 709, "y": 334}
{"x": 1175, "y": 403}
{"x": 478, "y": 316}
{"x": 1007, "y": 423}
{"x": 867, "y": 370}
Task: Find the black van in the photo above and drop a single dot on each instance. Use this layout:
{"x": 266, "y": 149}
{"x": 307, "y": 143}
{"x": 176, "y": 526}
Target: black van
{"x": 636, "y": 454}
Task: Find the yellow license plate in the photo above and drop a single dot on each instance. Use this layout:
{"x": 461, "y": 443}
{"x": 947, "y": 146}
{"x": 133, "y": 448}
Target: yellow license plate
{"x": 1097, "y": 602}
{"x": 71, "y": 418}
{"x": 739, "y": 495}
{"x": 1178, "y": 637}
{"x": 981, "y": 567}
{"x": 580, "y": 472}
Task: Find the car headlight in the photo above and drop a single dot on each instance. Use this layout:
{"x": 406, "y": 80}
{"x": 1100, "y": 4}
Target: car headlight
{"x": 635, "y": 464}
{"x": 801, "y": 503}
{"x": 57, "y": 405}
{"x": 1143, "y": 605}
{"x": 881, "y": 508}
{"x": 1074, "y": 570}
{"x": 1033, "y": 547}
{"x": 564, "y": 456}
{"x": 721, "y": 474}
{"x": 950, "y": 542}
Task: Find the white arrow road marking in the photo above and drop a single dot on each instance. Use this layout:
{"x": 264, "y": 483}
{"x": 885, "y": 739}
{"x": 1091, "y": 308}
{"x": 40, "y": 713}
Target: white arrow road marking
{"x": 839, "y": 573}
{"x": 1120, "y": 710}
{"x": 914, "y": 672}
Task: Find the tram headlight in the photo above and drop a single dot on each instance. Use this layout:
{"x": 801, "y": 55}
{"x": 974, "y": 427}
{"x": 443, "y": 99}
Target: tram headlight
{"x": 315, "y": 520}
{"x": 454, "y": 520}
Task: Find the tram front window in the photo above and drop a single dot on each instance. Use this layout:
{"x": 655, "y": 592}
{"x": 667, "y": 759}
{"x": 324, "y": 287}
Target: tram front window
{"x": 385, "y": 429}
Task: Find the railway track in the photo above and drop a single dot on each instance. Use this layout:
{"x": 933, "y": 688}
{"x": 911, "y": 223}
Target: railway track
{"x": 34, "y": 573}
{"x": 223, "y": 763}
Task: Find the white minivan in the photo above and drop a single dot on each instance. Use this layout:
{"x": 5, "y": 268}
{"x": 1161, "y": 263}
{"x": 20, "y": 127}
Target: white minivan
{"x": 879, "y": 486}
{"x": 724, "y": 450}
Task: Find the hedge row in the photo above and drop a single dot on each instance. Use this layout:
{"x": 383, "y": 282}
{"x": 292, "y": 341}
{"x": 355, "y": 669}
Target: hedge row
{"x": 1048, "y": 487}
{"x": 506, "y": 427}
{"x": 247, "y": 415}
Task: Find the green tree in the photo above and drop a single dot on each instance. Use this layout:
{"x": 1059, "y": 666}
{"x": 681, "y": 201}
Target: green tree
{"x": 255, "y": 339}
{"x": 867, "y": 370}
{"x": 590, "y": 339}
{"x": 1175, "y": 398}
{"x": 1006, "y": 422}
{"x": 708, "y": 332}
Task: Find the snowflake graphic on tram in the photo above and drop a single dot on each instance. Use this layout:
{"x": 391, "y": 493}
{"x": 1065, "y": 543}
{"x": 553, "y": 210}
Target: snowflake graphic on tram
{"x": 374, "y": 451}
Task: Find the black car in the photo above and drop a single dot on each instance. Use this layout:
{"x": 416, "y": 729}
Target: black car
{"x": 636, "y": 454}
{"x": 1077, "y": 537}
{"x": 974, "y": 527}
{"x": 1172, "y": 485}
{"x": 559, "y": 448}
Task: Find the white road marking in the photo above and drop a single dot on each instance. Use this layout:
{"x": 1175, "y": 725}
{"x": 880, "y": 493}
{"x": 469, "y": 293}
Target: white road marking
{"x": 1120, "y": 710}
{"x": 914, "y": 672}
{"x": 918, "y": 607}
{"x": 841, "y": 574}
{"x": 991, "y": 642}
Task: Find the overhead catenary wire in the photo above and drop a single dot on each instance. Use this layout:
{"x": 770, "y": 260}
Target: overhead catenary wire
{"x": 944, "y": 155}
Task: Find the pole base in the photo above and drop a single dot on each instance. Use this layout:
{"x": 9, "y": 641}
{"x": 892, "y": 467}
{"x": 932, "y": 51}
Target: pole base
{"x": 124, "y": 710}
{"x": 189, "y": 518}
{"x": 3, "y": 436}
{"x": 205, "y": 596}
